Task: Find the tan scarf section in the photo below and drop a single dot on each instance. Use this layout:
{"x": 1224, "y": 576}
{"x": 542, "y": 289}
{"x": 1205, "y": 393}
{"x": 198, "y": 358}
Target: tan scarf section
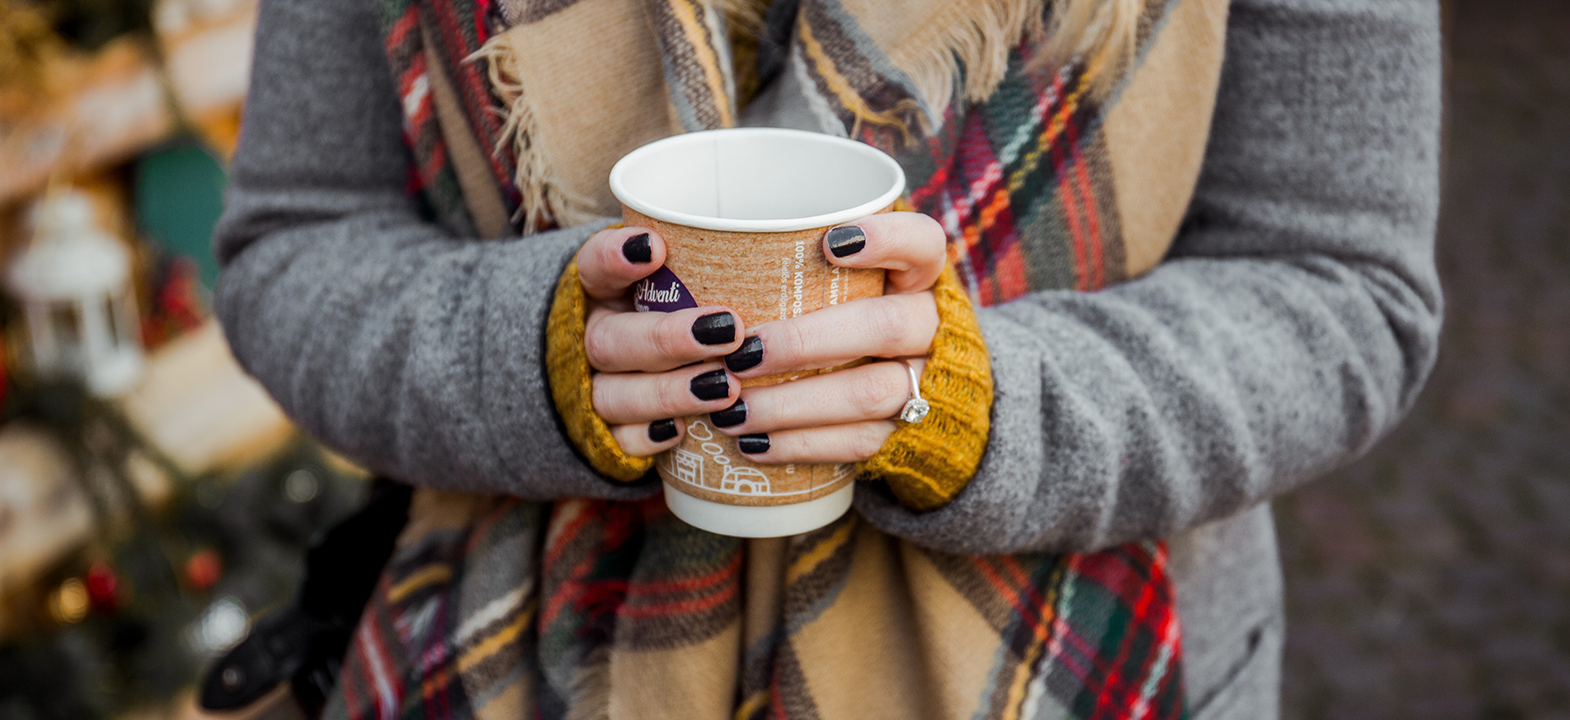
{"x": 1156, "y": 129}
{"x": 584, "y": 83}
{"x": 585, "y": 80}
{"x": 583, "y": 86}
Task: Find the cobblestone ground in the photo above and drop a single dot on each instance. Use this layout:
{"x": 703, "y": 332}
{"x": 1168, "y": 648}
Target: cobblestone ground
{"x": 1432, "y": 579}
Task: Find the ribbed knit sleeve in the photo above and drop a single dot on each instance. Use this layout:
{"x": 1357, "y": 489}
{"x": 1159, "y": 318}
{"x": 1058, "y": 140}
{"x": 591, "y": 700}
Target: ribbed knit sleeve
{"x": 927, "y": 464}
{"x": 572, "y": 384}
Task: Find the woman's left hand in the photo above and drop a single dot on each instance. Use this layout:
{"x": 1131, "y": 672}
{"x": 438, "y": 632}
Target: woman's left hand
{"x": 846, "y": 415}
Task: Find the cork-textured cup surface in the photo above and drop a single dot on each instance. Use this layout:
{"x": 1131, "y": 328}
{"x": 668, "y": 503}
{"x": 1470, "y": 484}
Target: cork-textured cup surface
{"x": 743, "y": 214}
{"x": 763, "y": 277}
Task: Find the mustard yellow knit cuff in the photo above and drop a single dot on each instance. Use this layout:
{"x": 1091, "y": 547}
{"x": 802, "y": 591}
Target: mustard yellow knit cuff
{"x": 567, "y": 369}
{"x": 927, "y": 464}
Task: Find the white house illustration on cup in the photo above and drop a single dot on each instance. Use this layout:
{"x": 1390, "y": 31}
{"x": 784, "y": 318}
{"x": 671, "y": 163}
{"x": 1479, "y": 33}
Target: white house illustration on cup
{"x": 686, "y": 466}
{"x": 744, "y": 480}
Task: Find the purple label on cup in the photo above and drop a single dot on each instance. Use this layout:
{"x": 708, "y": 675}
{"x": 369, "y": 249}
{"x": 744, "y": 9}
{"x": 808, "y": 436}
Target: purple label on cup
{"x": 661, "y": 292}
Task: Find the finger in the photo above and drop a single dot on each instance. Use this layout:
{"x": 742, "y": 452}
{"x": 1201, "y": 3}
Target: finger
{"x": 911, "y": 246}
{"x": 612, "y": 260}
{"x": 877, "y": 391}
{"x": 835, "y": 444}
{"x": 630, "y": 398}
{"x": 887, "y": 326}
{"x": 645, "y": 439}
{"x": 655, "y": 342}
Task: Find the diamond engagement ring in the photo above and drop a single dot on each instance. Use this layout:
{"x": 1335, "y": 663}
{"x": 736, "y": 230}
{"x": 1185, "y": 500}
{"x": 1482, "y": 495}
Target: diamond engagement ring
{"x": 915, "y": 409}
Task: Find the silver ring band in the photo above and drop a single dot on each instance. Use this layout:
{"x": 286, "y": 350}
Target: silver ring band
{"x": 915, "y": 409}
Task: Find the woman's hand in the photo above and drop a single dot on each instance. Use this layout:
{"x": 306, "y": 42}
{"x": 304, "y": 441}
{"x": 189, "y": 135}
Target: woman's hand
{"x": 645, "y": 379}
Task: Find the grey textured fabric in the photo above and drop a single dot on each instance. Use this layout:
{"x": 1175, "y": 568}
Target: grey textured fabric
{"x": 1292, "y": 325}
{"x": 416, "y": 353}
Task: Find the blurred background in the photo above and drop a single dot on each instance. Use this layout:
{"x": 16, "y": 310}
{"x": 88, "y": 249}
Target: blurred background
{"x": 1431, "y": 579}
{"x": 157, "y": 504}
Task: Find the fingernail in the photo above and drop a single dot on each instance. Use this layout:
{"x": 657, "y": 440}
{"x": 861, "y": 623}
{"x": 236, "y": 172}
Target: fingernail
{"x": 715, "y": 328}
{"x": 756, "y": 444}
{"x": 747, "y": 356}
{"x": 731, "y": 416}
{"x": 847, "y": 240}
{"x": 662, "y": 430}
{"x": 711, "y": 385}
{"x": 637, "y": 250}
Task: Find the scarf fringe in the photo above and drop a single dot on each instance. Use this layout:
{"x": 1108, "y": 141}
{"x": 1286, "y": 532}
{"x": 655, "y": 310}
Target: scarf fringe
{"x": 966, "y": 60}
{"x": 1102, "y": 33}
{"x": 545, "y": 202}
{"x": 590, "y": 689}
{"x": 745, "y": 15}
{"x": 977, "y": 37}
{"x": 980, "y": 34}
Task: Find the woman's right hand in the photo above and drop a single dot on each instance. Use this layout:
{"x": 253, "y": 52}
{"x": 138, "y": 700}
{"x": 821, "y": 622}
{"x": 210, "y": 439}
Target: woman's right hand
{"x": 645, "y": 379}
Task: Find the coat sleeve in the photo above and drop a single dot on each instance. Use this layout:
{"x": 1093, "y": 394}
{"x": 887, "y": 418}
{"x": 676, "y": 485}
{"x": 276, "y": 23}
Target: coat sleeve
{"x": 1293, "y": 323}
{"x": 413, "y": 351}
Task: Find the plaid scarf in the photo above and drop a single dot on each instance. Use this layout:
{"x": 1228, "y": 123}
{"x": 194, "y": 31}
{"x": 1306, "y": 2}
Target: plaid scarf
{"x": 493, "y": 607}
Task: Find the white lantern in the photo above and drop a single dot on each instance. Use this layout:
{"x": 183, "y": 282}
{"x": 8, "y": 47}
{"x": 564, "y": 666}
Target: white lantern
{"x": 73, "y": 283}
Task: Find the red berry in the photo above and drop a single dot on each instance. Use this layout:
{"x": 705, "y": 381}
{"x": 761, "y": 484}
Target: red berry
{"x": 103, "y": 586}
{"x": 203, "y": 569}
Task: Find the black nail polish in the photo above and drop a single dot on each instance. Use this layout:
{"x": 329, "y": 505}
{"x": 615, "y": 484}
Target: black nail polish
{"x": 711, "y": 385}
{"x": 847, "y": 240}
{"x": 637, "y": 250}
{"x": 662, "y": 430}
{"x": 715, "y": 328}
{"x": 753, "y": 444}
{"x": 731, "y": 416}
{"x": 747, "y": 356}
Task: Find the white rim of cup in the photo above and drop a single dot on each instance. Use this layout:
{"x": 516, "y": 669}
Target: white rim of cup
{"x": 619, "y": 170}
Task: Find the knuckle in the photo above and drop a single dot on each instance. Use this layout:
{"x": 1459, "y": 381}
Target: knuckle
{"x": 588, "y": 252}
{"x": 931, "y": 230}
{"x": 670, "y": 397}
{"x": 597, "y": 346}
{"x": 627, "y": 437}
{"x": 867, "y": 439}
{"x": 872, "y": 394}
{"x": 607, "y": 251}
{"x": 923, "y": 325}
{"x": 592, "y": 262}
{"x": 886, "y": 323}
{"x": 786, "y": 342}
{"x": 667, "y": 336}
{"x": 929, "y": 245}
{"x": 599, "y": 394}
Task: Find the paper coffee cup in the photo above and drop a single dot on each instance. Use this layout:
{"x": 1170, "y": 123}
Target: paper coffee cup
{"x": 743, "y": 213}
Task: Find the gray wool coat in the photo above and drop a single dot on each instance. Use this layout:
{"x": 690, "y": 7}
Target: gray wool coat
{"x": 1291, "y": 325}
